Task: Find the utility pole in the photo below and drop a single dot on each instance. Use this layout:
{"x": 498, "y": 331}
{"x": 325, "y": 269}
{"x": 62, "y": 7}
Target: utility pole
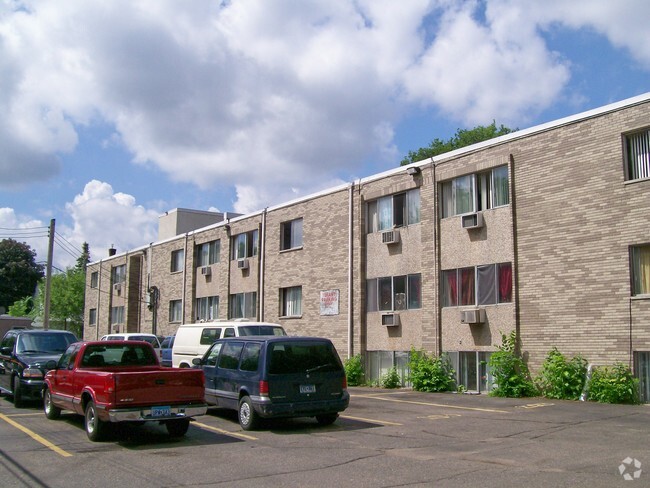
{"x": 48, "y": 277}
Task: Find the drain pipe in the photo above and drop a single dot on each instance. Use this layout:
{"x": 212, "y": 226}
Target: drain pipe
{"x": 350, "y": 269}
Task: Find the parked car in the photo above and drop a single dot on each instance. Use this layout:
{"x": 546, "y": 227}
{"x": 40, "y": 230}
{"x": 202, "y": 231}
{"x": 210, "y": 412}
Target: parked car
{"x": 271, "y": 377}
{"x": 166, "y": 351}
{"x": 136, "y": 336}
{"x": 192, "y": 340}
{"x": 122, "y": 381}
{"x": 24, "y": 354}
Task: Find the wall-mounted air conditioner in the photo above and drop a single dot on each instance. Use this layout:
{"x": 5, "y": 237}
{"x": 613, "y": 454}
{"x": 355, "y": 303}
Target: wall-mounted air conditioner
{"x": 390, "y": 237}
{"x": 117, "y": 288}
{"x": 206, "y": 270}
{"x": 390, "y": 319}
{"x": 242, "y": 263}
{"x": 472, "y": 221}
{"x": 472, "y": 316}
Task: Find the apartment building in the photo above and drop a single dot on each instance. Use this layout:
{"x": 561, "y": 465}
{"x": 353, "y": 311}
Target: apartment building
{"x": 545, "y": 232}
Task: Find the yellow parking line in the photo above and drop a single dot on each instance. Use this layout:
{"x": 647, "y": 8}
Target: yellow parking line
{"x": 225, "y": 432}
{"x": 373, "y": 397}
{"x": 380, "y": 422}
{"x": 35, "y": 436}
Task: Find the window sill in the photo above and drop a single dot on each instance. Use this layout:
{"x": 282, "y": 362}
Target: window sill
{"x": 638, "y": 180}
{"x": 290, "y": 317}
{"x": 299, "y": 248}
{"x": 640, "y": 297}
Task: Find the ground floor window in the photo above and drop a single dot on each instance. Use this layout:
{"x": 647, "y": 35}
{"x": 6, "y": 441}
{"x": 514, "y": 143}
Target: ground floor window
{"x": 642, "y": 369}
{"x": 472, "y": 372}
{"x": 243, "y": 305}
{"x": 379, "y": 363}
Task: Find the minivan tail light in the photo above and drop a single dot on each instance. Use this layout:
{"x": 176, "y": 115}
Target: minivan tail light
{"x": 345, "y": 382}
{"x": 264, "y": 388}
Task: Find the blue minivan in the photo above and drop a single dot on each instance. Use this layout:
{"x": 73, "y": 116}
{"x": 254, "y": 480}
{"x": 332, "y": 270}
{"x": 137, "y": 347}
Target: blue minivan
{"x": 272, "y": 377}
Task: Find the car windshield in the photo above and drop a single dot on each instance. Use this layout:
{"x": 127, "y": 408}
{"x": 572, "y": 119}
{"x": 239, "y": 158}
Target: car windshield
{"x": 53, "y": 343}
{"x": 261, "y": 330}
{"x": 291, "y": 358}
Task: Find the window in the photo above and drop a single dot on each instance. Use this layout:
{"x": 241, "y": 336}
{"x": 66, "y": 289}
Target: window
{"x": 291, "y": 235}
{"x": 94, "y": 279}
{"x": 208, "y": 253}
{"x": 209, "y": 335}
{"x": 92, "y": 317}
{"x": 394, "y": 293}
{"x": 250, "y": 356}
{"x": 229, "y": 357}
{"x": 177, "y": 260}
{"x": 476, "y": 192}
{"x": 117, "y": 315}
{"x": 207, "y": 308}
{"x": 482, "y": 285}
{"x": 175, "y": 310}
{"x": 641, "y": 270}
{"x": 395, "y": 210}
{"x": 245, "y": 245}
{"x": 243, "y": 305}
{"x": 637, "y": 155}
{"x": 118, "y": 274}
{"x": 291, "y": 301}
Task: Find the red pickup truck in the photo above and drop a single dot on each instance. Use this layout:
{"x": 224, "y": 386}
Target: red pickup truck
{"x": 122, "y": 381}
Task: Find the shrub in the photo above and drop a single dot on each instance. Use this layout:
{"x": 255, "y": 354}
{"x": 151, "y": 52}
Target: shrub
{"x": 429, "y": 373}
{"x": 354, "y": 370}
{"x": 391, "y": 379}
{"x": 613, "y": 384}
{"x": 562, "y": 379}
{"x": 511, "y": 377}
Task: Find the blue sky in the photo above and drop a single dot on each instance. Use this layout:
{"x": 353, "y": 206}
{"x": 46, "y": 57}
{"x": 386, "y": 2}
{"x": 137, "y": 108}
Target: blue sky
{"x": 113, "y": 112}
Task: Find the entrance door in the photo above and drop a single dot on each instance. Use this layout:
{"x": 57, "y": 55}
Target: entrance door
{"x": 642, "y": 368}
{"x": 468, "y": 366}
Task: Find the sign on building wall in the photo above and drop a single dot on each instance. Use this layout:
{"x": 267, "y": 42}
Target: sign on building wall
{"x": 329, "y": 302}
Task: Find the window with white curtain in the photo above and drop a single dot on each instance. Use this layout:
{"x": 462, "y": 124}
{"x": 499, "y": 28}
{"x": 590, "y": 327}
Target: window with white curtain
{"x": 208, "y": 253}
{"x": 637, "y": 155}
{"x": 245, "y": 245}
{"x": 207, "y": 308}
{"x": 291, "y": 234}
{"x": 475, "y": 192}
{"x": 178, "y": 260}
{"x": 291, "y": 301}
{"x": 393, "y": 211}
{"x": 117, "y": 315}
{"x": 175, "y": 310}
{"x": 243, "y": 305}
{"x": 118, "y": 274}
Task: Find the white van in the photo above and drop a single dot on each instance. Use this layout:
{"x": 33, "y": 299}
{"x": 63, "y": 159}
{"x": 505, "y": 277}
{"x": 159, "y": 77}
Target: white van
{"x": 192, "y": 340}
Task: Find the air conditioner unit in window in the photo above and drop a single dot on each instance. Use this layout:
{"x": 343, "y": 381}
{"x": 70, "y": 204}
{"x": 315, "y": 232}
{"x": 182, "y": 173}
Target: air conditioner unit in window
{"x": 390, "y": 237}
{"x": 117, "y": 288}
{"x": 473, "y": 316}
{"x": 242, "y": 263}
{"x": 390, "y": 319}
{"x": 472, "y": 221}
{"x": 206, "y": 270}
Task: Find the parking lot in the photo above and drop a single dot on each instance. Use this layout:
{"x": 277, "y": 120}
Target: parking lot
{"x": 385, "y": 438}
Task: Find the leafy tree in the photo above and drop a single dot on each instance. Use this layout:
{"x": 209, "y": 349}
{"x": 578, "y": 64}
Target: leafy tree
{"x": 462, "y": 138}
{"x": 19, "y": 272}
{"x": 431, "y": 373}
{"x": 21, "y": 308}
{"x": 509, "y": 371}
{"x": 84, "y": 259}
{"x": 66, "y": 300}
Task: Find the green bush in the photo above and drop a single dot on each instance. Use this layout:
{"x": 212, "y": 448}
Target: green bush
{"x": 428, "y": 373}
{"x": 613, "y": 384}
{"x": 391, "y": 379}
{"x": 561, "y": 378}
{"x": 510, "y": 374}
{"x": 354, "y": 370}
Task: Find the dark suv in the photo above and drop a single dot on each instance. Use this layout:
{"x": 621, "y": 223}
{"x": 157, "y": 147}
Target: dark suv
{"x": 270, "y": 377}
{"x": 23, "y": 355}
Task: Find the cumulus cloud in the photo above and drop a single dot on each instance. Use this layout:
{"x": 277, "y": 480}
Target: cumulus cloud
{"x": 264, "y": 96}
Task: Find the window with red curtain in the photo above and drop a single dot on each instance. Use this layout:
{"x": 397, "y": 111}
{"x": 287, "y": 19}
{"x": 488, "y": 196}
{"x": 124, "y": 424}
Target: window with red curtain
{"x": 449, "y": 288}
{"x": 505, "y": 282}
{"x": 467, "y": 286}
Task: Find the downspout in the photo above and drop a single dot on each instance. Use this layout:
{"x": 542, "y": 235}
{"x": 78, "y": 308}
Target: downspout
{"x": 99, "y": 299}
{"x": 185, "y": 277}
{"x": 262, "y": 263}
{"x": 350, "y": 268}
{"x": 515, "y": 249}
{"x": 438, "y": 261}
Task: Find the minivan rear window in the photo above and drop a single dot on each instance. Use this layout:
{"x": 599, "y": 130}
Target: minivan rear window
{"x": 290, "y": 358}
{"x": 261, "y": 330}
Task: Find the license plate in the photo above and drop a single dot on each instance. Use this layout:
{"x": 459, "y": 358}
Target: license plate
{"x": 307, "y": 388}
{"x": 160, "y": 411}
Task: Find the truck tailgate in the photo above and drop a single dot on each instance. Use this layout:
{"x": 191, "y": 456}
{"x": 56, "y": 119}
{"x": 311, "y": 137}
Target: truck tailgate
{"x": 167, "y": 386}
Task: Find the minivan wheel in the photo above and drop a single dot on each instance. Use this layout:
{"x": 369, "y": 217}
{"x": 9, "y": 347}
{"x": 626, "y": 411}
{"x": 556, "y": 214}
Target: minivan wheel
{"x": 52, "y": 412}
{"x": 327, "y": 419}
{"x": 248, "y": 418}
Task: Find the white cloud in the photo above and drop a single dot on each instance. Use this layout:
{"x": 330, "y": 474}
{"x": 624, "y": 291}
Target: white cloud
{"x": 264, "y": 95}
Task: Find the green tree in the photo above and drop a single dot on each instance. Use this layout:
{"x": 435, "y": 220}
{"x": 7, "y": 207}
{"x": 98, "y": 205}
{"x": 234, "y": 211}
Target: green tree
{"x": 21, "y": 308}
{"x": 462, "y": 138}
{"x": 66, "y": 301}
{"x": 84, "y": 259}
{"x": 19, "y": 272}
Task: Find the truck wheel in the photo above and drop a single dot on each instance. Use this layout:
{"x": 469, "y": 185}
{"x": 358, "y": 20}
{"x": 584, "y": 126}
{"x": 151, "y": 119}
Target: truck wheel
{"x": 248, "y": 418}
{"x": 52, "y": 412}
{"x": 327, "y": 419}
{"x": 95, "y": 427}
{"x": 177, "y": 428}
{"x": 18, "y": 396}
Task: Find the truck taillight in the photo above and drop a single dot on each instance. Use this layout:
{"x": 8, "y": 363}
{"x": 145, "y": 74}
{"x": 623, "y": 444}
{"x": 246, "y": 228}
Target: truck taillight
{"x": 264, "y": 388}
{"x": 109, "y": 384}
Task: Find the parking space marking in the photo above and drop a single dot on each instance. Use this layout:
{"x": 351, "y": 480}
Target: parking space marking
{"x": 441, "y": 416}
{"x": 476, "y": 409}
{"x": 225, "y": 432}
{"x": 380, "y": 422}
{"x": 35, "y": 436}
{"x": 535, "y": 405}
